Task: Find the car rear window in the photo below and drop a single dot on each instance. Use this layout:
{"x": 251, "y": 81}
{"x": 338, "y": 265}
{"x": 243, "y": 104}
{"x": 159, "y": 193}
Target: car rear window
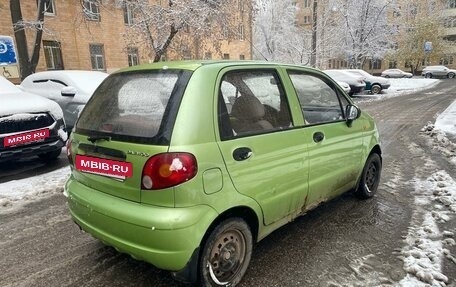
{"x": 135, "y": 106}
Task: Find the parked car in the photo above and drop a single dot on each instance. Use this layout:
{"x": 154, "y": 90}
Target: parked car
{"x": 71, "y": 89}
{"x": 396, "y": 73}
{"x": 345, "y": 86}
{"x": 374, "y": 84}
{"x": 30, "y": 125}
{"x": 438, "y": 71}
{"x": 356, "y": 83}
{"x": 186, "y": 164}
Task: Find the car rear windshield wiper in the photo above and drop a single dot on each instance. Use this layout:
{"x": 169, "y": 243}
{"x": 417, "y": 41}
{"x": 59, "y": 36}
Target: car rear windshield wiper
{"x": 93, "y": 139}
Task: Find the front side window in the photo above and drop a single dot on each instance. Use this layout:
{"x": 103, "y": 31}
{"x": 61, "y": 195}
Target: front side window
{"x": 91, "y": 9}
{"x": 53, "y": 55}
{"x": 318, "y": 98}
{"x": 97, "y": 57}
{"x": 252, "y": 102}
{"x": 135, "y": 106}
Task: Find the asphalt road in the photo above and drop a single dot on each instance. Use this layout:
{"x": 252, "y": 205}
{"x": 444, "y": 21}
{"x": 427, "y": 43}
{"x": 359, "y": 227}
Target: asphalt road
{"x": 346, "y": 242}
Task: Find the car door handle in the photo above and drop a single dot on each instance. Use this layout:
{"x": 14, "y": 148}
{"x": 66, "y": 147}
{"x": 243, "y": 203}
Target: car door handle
{"x": 242, "y": 153}
{"x": 318, "y": 137}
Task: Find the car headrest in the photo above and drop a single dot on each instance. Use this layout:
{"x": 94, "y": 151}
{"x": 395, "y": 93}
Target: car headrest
{"x": 247, "y": 108}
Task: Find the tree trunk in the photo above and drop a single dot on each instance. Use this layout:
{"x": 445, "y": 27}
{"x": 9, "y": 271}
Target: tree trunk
{"x": 27, "y": 65}
{"x": 21, "y": 39}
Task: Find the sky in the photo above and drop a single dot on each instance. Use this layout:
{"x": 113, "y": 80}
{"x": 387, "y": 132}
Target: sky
{"x": 423, "y": 248}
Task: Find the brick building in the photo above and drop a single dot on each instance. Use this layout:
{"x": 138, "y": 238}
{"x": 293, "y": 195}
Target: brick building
{"x": 79, "y": 34}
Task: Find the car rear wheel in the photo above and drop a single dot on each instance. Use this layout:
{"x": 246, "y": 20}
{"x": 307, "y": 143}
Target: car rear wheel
{"x": 428, "y": 75}
{"x": 50, "y": 156}
{"x": 226, "y": 254}
{"x": 450, "y": 75}
{"x": 370, "y": 177}
{"x": 376, "y": 89}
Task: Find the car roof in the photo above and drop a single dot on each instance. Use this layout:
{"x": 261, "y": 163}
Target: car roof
{"x": 193, "y": 65}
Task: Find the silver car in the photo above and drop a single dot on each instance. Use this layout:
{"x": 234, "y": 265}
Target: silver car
{"x": 396, "y": 73}
{"x": 71, "y": 89}
{"x": 438, "y": 71}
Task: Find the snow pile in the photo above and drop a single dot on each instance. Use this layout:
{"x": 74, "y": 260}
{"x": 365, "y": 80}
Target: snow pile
{"x": 440, "y": 140}
{"x": 446, "y": 121}
{"x": 410, "y": 85}
{"x": 426, "y": 245}
{"x": 31, "y": 188}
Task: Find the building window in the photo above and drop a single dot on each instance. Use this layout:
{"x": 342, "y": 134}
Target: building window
{"x": 392, "y": 65}
{"x": 375, "y": 64}
{"x": 241, "y": 5}
{"x": 241, "y": 32}
{"x": 225, "y": 32}
{"x": 451, "y": 4}
{"x": 129, "y": 15}
{"x": 307, "y": 19}
{"x": 97, "y": 57}
{"x": 226, "y": 56}
{"x": 53, "y": 55}
{"x": 241, "y": 57}
{"x": 49, "y": 7}
{"x": 447, "y": 60}
{"x": 91, "y": 9}
{"x": 208, "y": 56}
{"x": 133, "y": 58}
{"x": 307, "y": 3}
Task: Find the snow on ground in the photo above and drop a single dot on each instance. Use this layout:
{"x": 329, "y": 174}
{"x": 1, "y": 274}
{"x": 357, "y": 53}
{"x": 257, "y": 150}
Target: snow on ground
{"x": 19, "y": 191}
{"x": 426, "y": 245}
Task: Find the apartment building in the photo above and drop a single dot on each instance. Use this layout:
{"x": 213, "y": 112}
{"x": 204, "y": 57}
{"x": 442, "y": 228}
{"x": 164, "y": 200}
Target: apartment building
{"x": 402, "y": 14}
{"x": 90, "y": 35}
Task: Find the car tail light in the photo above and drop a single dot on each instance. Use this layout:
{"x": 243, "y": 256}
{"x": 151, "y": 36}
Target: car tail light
{"x": 167, "y": 170}
{"x": 68, "y": 151}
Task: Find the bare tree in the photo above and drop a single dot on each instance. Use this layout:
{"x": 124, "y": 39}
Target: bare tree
{"x": 157, "y": 26}
{"x": 28, "y": 62}
{"x": 276, "y": 37}
{"x": 367, "y": 32}
{"x": 418, "y": 22}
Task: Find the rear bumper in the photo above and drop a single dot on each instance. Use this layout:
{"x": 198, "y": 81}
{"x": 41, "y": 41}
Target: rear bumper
{"x": 357, "y": 89}
{"x": 164, "y": 237}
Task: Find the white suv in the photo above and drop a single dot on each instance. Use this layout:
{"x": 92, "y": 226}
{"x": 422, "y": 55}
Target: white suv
{"x": 438, "y": 71}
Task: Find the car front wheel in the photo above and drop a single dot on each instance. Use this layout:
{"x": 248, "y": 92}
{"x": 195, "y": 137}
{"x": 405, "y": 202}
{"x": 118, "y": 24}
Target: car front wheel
{"x": 428, "y": 75}
{"x": 370, "y": 177}
{"x": 376, "y": 89}
{"x": 226, "y": 254}
{"x": 450, "y": 75}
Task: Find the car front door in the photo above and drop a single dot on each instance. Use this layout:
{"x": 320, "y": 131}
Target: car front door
{"x": 265, "y": 155}
{"x": 334, "y": 146}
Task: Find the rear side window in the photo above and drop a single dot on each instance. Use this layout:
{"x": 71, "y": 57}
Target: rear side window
{"x": 252, "y": 102}
{"x": 135, "y": 106}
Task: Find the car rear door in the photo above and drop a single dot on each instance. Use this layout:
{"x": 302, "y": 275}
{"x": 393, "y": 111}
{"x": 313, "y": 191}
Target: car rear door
{"x": 334, "y": 146}
{"x": 263, "y": 151}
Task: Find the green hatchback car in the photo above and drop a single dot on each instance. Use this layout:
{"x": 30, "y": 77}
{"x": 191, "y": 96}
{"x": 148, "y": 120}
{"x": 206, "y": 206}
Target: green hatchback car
{"x": 186, "y": 165}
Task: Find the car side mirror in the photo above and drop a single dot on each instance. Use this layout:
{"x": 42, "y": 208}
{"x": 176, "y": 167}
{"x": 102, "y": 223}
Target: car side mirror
{"x": 352, "y": 112}
{"x": 68, "y": 91}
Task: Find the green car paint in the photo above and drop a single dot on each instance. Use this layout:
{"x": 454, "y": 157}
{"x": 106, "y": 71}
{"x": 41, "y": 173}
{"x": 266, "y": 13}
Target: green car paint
{"x": 286, "y": 172}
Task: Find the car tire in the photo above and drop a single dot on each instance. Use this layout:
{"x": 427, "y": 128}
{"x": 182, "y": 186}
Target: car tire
{"x": 387, "y": 76}
{"x": 226, "y": 254}
{"x": 50, "y": 156}
{"x": 370, "y": 177}
{"x": 376, "y": 89}
{"x": 450, "y": 75}
{"x": 428, "y": 75}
